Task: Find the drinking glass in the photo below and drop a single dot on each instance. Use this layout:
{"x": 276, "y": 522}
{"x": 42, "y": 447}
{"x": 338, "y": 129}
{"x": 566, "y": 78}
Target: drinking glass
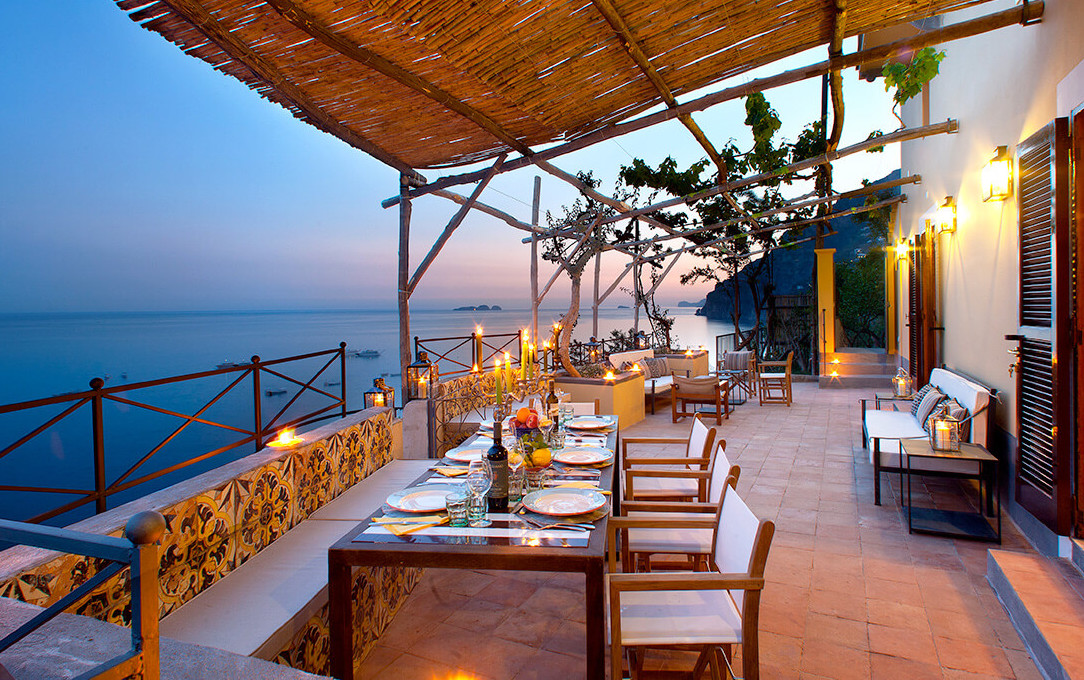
{"x": 515, "y": 475}
{"x": 479, "y": 479}
{"x": 456, "y": 504}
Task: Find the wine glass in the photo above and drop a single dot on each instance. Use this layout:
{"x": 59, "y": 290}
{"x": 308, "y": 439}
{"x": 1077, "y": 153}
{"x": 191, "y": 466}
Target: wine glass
{"x": 479, "y": 479}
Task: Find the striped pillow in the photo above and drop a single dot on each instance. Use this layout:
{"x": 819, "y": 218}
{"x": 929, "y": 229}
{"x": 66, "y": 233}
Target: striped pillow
{"x": 917, "y": 399}
{"x": 928, "y": 404}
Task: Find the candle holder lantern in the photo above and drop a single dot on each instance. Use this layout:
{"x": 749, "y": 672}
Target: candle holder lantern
{"x": 381, "y": 395}
{"x": 944, "y": 431}
{"x": 901, "y": 383}
{"x": 421, "y": 377}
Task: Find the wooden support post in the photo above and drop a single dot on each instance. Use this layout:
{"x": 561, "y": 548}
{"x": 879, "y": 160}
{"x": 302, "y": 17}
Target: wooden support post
{"x": 628, "y": 268}
{"x": 404, "y": 282}
{"x": 594, "y": 304}
{"x": 534, "y": 257}
{"x": 636, "y": 297}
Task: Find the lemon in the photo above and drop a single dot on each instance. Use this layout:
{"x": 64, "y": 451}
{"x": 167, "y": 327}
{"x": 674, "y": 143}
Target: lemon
{"x": 541, "y": 457}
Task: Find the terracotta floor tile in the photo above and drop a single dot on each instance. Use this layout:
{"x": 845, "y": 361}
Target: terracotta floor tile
{"x": 409, "y": 667}
{"x": 973, "y": 657}
{"x": 546, "y": 665}
{"x": 834, "y": 661}
{"x": 379, "y": 658}
{"x": 895, "y": 668}
{"x": 508, "y": 591}
{"x": 844, "y": 632}
{"x": 906, "y": 643}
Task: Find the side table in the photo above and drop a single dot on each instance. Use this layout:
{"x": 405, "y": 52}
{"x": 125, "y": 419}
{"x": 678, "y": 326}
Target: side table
{"x": 878, "y": 397}
{"x": 955, "y": 523}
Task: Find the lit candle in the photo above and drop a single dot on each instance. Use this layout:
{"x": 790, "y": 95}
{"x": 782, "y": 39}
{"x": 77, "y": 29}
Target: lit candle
{"x": 423, "y": 388}
{"x": 508, "y": 370}
{"x": 497, "y": 380}
{"x": 610, "y": 376}
{"x": 378, "y": 399}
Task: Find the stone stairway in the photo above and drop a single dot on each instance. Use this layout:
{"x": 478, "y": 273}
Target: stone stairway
{"x": 1044, "y": 597}
{"x": 850, "y": 367}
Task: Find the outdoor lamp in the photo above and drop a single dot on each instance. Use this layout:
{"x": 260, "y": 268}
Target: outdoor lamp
{"x": 421, "y": 377}
{"x": 945, "y": 216}
{"x": 997, "y": 176}
{"x": 944, "y": 431}
{"x": 380, "y": 395}
{"x": 901, "y": 383}
{"x": 902, "y": 250}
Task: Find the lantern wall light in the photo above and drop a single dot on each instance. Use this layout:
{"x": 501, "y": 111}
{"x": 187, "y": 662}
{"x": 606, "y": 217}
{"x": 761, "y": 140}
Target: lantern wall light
{"x": 997, "y": 176}
{"x": 945, "y": 216}
{"x": 902, "y": 249}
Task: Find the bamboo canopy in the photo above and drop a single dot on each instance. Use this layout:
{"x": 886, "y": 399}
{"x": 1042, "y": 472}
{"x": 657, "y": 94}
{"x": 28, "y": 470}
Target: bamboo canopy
{"x": 442, "y": 83}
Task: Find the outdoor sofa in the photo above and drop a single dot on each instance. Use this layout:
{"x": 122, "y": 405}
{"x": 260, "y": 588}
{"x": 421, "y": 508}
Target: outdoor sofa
{"x": 882, "y": 429}
{"x": 658, "y": 374}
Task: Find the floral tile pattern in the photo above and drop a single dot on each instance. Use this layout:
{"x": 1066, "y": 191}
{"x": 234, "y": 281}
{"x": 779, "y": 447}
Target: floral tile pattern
{"x": 210, "y": 535}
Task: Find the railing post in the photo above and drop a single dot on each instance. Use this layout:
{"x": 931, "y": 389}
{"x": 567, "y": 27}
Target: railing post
{"x": 257, "y": 403}
{"x": 98, "y": 436}
{"x": 342, "y": 376}
{"x": 144, "y": 530}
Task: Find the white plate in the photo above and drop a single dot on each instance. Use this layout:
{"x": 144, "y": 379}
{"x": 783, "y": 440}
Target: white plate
{"x": 466, "y": 455}
{"x": 583, "y": 455}
{"x": 420, "y": 499}
{"x": 589, "y": 423}
{"x": 564, "y": 502}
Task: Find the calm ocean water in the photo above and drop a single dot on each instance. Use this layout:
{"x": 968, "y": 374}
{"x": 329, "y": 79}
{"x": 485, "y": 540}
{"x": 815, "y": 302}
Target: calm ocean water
{"x": 45, "y": 355}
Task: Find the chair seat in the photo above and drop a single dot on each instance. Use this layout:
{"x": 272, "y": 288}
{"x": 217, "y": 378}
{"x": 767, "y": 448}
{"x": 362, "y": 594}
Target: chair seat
{"x": 647, "y": 487}
{"x": 704, "y": 617}
{"x": 773, "y": 376}
{"x": 671, "y": 541}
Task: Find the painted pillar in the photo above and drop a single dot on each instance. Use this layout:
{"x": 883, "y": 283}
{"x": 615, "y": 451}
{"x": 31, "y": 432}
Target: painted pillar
{"x": 826, "y": 301}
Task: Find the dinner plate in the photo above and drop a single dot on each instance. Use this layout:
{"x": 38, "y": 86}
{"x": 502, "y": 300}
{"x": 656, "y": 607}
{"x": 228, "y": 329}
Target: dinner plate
{"x": 420, "y": 498}
{"x": 583, "y": 455}
{"x": 589, "y": 423}
{"x": 466, "y": 454}
{"x": 564, "y": 501}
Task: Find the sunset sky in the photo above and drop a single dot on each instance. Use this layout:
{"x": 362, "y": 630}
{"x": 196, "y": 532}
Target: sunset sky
{"x": 135, "y": 177}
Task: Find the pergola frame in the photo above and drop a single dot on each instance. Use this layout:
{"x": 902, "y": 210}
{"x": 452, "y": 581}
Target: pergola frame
{"x": 273, "y": 68}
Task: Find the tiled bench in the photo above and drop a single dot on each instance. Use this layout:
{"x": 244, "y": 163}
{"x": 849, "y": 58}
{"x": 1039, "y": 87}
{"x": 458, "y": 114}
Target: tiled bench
{"x": 258, "y": 608}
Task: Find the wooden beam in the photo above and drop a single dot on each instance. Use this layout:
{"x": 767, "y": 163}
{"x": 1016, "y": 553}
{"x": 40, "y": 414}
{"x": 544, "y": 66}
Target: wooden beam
{"x": 490, "y": 210}
{"x": 306, "y": 22}
{"x": 594, "y": 298}
{"x": 453, "y": 224}
{"x": 790, "y": 207}
{"x": 404, "y": 288}
{"x": 835, "y": 78}
{"x": 563, "y": 265}
{"x": 905, "y": 134}
{"x": 665, "y": 272}
{"x": 202, "y": 21}
{"x": 535, "y": 204}
{"x": 1021, "y": 14}
{"x": 628, "y": 268}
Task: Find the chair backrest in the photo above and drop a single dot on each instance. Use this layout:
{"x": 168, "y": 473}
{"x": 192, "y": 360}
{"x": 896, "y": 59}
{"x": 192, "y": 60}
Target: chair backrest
{"x": 971, "y": 395}
{"x": 701, "y": 439}
{"x": 706, "y": 386}
{"x": 741, "y": 541}
{"x": 584, "y": 408}
{"x": 721, "y": 471}
{"x": 736, "y": 361}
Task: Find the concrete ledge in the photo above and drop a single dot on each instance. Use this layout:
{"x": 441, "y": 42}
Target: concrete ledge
{"x": 69, "y": 645}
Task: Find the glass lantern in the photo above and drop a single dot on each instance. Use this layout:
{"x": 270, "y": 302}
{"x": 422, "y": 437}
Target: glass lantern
{"x": 944, "y": 431}
{"x": 901, "y": 383}
{"x": 380, "y": 395}
{"x": 421, "y": 377}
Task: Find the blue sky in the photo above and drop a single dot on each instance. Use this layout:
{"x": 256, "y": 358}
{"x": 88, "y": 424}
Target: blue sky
{"x": 135, "y": 177}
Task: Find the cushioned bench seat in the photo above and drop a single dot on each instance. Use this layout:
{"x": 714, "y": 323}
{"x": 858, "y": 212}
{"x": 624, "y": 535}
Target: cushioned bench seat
{"x": 653, "y": 387}
{"x": 256, "y": 609}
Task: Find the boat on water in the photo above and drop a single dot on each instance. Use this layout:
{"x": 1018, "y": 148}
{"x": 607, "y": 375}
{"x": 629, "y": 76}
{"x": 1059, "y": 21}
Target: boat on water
{"x": 274, "y": 393}
{"x": 229, "y": 364}
{"x": 365, "y": 353}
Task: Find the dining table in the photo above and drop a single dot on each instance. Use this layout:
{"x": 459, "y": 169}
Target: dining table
{"x": 517, "y": 541}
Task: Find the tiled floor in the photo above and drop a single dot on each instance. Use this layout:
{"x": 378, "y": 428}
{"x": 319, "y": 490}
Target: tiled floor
{"x": 850, "y": 594}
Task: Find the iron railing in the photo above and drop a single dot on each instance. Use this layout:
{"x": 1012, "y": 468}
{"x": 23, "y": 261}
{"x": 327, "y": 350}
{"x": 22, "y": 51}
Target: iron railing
{"x": 95, "y": 398}
{"x": 138, "y": 551}
{"x": 465, "y": 352}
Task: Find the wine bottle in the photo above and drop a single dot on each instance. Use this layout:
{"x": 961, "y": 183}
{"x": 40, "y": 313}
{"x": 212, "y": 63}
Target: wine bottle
{"x": 551, "y": 401}
{"x": 497, "y": 455}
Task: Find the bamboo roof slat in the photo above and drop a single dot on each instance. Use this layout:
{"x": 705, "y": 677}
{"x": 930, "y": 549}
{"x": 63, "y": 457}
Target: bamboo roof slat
{"x": 461, "y": 81}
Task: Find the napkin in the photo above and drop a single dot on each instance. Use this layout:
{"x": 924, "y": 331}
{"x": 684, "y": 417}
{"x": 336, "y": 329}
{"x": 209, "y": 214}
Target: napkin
{"x": 400, "y": 529}
{"x": 450, "y": 471}
{"x": 578, "y": 485}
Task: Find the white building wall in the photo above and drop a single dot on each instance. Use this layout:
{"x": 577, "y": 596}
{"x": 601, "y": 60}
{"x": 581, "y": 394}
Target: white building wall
{"x": 1001, "y": 86}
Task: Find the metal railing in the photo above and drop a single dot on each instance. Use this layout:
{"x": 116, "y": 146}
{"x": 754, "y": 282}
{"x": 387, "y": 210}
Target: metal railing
{"x": 138, "y": 551}
{"x": 465, "y": 352}
{"x": 96, "y": 397}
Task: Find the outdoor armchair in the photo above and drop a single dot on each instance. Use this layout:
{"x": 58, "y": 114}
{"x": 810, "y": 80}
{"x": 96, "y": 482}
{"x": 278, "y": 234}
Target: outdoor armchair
{"x": 709, "y": 612}
{"x": 704, "y": 390}
{"x": 773, "y": 378}
{"x": 698, "y": 449}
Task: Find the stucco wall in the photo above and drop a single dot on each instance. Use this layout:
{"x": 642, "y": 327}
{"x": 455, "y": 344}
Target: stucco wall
{"x": 1001, "y": 86}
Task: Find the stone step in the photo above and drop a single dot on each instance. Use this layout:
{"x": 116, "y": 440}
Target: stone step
{"x": 1045, "y": 601}
{"x": 851, "y": 368}
{"x": 69, "y": 645}
{"x": 1077, "y": 556}
{"x": 862, "y": 355}
{"x": 868, "y": 380}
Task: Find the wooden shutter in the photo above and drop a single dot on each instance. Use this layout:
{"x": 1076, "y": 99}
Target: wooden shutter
{"x": 914, "y": 315}
{"x": 1044, "y": 388}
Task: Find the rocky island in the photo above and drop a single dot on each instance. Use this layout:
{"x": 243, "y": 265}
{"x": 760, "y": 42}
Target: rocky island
{"x": 478, "y": 308}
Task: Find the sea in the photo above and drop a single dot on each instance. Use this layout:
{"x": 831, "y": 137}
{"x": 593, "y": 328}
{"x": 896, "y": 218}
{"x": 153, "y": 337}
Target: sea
{"x": 44, "y": 355}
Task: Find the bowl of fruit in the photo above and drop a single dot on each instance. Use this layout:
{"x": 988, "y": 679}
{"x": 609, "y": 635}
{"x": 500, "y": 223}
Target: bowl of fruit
{"x": 531, "y": 444}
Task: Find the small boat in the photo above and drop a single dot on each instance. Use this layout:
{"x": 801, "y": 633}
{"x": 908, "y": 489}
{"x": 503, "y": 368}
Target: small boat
{"x": 365, "y": 353}
{"x": 229, "y": 364}
{"x": 274, "y": 393}
{"x": 331, "y": 383}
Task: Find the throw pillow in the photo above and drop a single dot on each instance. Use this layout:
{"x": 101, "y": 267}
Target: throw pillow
{"x": 656, "y": 368}
{"x": 626, "y": 366}
{"x": 960, "y": 413}
{"x": 928, "y": 404}
{"x": 917, "y": 399}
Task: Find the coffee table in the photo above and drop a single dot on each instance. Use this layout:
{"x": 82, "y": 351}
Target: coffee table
{"x": 954, "y": 523}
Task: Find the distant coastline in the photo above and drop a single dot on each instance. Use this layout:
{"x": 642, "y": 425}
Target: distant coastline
{"x": 478, "y": 308}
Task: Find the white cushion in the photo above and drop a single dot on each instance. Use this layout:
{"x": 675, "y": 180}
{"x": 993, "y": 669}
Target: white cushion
{"x": 679, "y": 618}
{"x": 661, "y": 384}
{"x": 365, "y": 497}
{"x": 679, "y": 541}
{"x": 970, "y": 395}
{"x": 645, "y": 487}
{"x": 891, "y": 426}
{"x": 633, "y": 355}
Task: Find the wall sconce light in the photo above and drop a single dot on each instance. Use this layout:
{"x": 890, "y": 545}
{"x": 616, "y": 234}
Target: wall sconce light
{"x": 902, "y": 249}
{"x": 997, "y": 176}
{"x": 945, "y": 216}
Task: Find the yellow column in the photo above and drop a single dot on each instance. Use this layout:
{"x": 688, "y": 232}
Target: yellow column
{"x": 890, "y": 300}
{"x": 826, "y": 301}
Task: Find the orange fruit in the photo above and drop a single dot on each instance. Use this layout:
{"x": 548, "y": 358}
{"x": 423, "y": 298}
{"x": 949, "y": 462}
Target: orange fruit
{"x": 521, "y": 415}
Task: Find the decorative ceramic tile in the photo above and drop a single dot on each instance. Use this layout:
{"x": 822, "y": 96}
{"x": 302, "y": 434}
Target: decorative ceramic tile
{"x": 265, "y": 510}
{"x": 314, "y": 479}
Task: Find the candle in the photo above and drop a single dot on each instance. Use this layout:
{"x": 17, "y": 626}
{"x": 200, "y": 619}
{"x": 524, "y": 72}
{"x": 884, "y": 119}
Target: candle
{"x": 423, "y": 388}
{"x": 497, "y": 380}
{"x": 508, "y": 371}
{"x": 378, "y": 400}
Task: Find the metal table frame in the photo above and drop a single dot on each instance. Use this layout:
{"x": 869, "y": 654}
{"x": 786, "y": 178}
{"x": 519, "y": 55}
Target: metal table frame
{"x": 955, "y": 523}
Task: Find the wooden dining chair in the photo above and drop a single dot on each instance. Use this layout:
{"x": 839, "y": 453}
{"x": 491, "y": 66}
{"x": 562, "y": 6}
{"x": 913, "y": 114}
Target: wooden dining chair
{"x": 584, "y": 408}
{"x": 640, "y": 545}
{"x": 774, "y": 383}
{"x": 703, "y": 390}
{"x": 698, "y": 450}
{"x": 707, "y": 612}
